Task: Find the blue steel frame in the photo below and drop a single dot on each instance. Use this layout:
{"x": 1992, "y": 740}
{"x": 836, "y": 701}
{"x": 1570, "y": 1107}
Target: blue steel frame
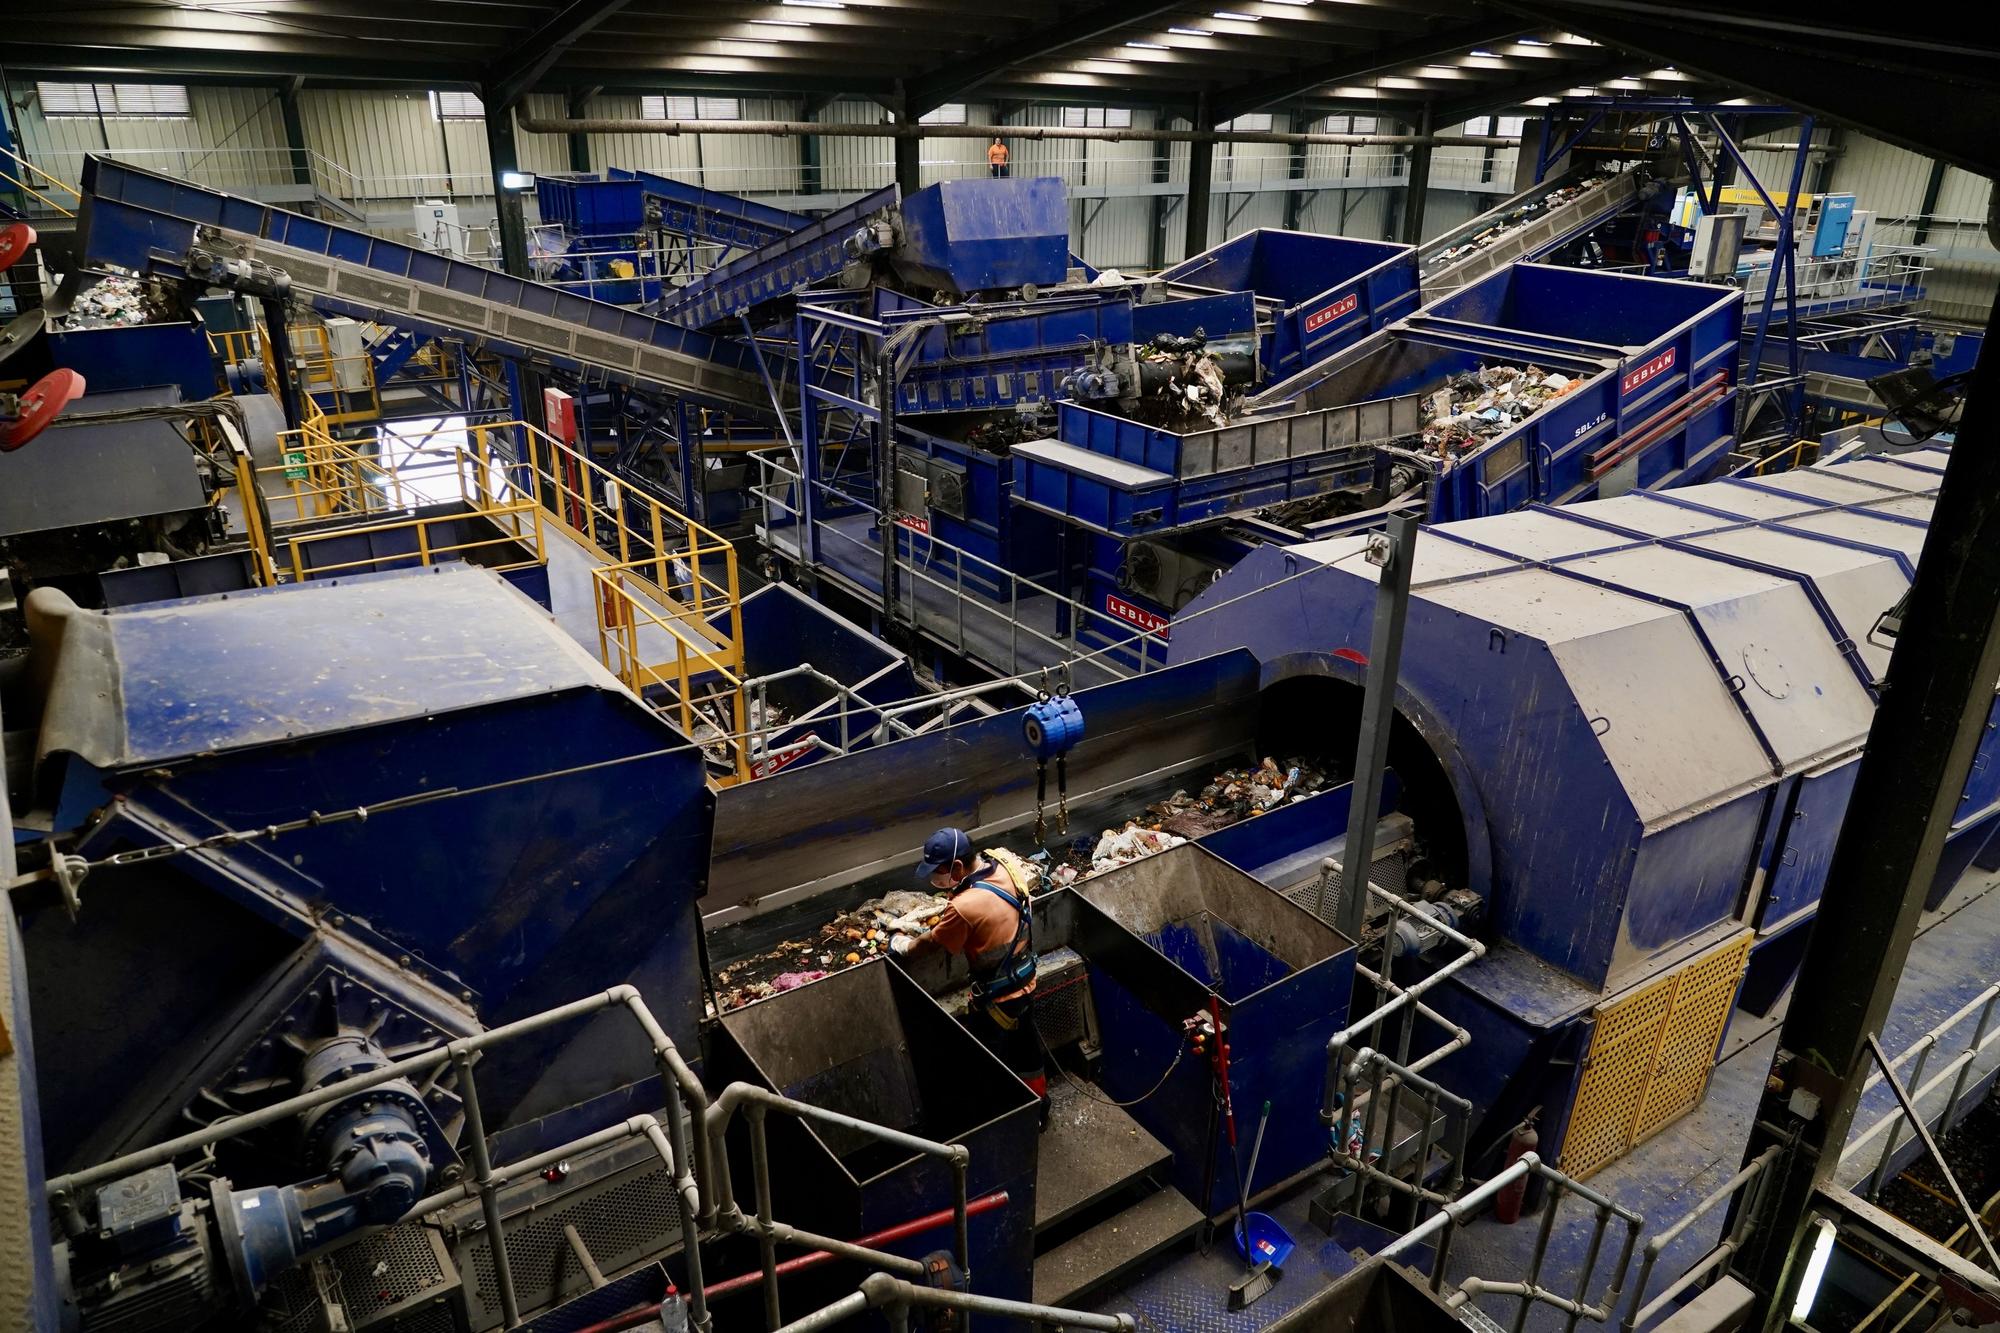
{"x": 1784, "y": 260}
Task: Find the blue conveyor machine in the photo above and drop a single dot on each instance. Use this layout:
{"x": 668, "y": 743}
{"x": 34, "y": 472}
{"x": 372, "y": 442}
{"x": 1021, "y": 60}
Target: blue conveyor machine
{"x": 455, "y": 780}
{"x": 1648, "y": 712}
{"x": 153, "y": 224}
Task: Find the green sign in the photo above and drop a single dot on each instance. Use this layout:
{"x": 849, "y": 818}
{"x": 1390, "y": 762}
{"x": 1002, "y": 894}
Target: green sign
{"x": 295, "y": 465}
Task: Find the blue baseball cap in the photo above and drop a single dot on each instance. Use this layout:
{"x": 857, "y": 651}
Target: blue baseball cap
{"x": 941, "y": 849}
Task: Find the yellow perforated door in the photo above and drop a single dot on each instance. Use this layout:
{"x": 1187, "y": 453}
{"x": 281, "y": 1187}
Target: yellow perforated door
{"x": 1650, "y": 1056}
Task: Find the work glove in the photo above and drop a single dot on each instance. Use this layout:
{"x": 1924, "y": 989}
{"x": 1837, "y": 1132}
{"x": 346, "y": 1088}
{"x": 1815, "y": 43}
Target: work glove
{"x": 901, "y": 945}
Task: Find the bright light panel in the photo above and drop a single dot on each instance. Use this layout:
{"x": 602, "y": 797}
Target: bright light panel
{"x": 1815, "y": 1272}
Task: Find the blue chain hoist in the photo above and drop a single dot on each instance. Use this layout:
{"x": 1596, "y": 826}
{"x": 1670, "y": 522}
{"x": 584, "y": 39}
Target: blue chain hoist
{"x": 1052, "y": 727}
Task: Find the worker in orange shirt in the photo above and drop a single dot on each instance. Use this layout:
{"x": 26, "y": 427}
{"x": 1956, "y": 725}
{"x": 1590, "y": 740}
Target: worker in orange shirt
{"x": 996, "y": 158}
{"x": 989, "y": 923}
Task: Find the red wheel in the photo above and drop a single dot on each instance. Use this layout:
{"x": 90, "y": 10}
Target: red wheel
{"x": 39, "y": 405}
{"x": 16, "y": 239}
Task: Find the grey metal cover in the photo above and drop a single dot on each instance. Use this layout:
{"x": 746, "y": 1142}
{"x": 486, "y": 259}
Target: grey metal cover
{"x": 1113, "y": 471}
{"x": 1656, "y": 516}
{"x": 1858, "y": 586}
{"x": 1637, "y": 670}
{"x": 1887, "y": 472}
{"x": 1832, "y": 485}
{"x": 1746, "y": 501}
{"x": 1866, "y": 527}
{"x": 137, "y": 469}
{"x": 1537, "y": 534}
{"x": 1776, "y": 651}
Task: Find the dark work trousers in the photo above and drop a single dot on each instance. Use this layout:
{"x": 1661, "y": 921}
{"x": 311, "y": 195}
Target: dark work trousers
{"x": 1017, "y": 1045}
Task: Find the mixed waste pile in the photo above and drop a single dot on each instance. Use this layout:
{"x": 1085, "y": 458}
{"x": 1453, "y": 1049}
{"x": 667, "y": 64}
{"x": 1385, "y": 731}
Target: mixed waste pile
{"x": 713, "y": 736}
{"x": 1003, "y": 432}
{"x": 1474, "y": 407}
{"x": 112, "y": 302}
{"x": 850, "y": 938}
{"x": 1233, "y": 795}
{"x": 1514, "y": 221}
{"x": 1184, "y": 388}
{"x": 866, "y": 932}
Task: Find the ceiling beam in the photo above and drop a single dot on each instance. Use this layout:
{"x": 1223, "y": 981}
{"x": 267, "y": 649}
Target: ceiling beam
{"x": 1580, "y": 74}
{"x": 419, "y": 70}
{"x": 1256, "y": 94}
{"x": 1805, "y": 57}
{"x": 522, "y": 66}
{"x": 928, "y": 91}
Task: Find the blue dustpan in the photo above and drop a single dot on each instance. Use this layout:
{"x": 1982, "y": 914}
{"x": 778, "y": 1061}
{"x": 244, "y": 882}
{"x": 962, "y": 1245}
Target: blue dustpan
{"x": 1269, "y": 1243}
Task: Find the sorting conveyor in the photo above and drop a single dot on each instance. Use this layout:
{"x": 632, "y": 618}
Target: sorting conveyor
{"x": 710, "y": 215}
{"x": 148, "y": 223}
{"x": 1532, "y": 240}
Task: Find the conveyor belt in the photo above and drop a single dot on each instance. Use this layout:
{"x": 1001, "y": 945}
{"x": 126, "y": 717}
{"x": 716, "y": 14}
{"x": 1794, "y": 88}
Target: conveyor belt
{"x": 1528, "y": 242}
{"x": 711, "y": 215}
{"x": 812, "y": 254}
{"x": 147, "y": 222}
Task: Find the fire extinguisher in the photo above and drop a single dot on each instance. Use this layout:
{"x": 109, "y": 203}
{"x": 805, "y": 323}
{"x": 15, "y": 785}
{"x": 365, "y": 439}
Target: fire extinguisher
{"x": 1507, "y": 1203}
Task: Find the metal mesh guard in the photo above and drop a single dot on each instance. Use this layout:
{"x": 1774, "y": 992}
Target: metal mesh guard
{"x": 1650, "y": 1057}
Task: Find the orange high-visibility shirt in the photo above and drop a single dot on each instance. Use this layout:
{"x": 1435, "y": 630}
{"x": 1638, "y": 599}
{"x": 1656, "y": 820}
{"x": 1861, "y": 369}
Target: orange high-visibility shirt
{"x": 996, "y": 155}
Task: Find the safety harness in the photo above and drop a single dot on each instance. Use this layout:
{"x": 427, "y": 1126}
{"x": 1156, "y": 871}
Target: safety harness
{"x": 996, "y": 972}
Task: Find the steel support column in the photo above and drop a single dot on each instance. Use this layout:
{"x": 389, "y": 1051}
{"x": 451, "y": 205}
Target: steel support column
{"x": 295, "y": 131}
{"x": 578, "y": 103}
{"x": 506, "y": 157}
{"x": 1201, "y": 172}
{"x": 1933, "y": 187}
{"x": 1418, "y": 193}
{"x": 1394, "y": 553}
{"x": 1920, "y": 749}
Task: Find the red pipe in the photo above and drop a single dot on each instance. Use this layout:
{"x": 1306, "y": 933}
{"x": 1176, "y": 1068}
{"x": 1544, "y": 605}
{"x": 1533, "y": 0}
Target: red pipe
{"x": 916, "y": 1226}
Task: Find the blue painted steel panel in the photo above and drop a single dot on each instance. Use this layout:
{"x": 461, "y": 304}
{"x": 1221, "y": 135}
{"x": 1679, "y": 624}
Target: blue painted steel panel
{"x": 973, "y": 235}
{"x": 1615, "y": 823}
{"x": 1326, "y": 292}
{"x": 588, "y": 207}
{"x": 812, "y": 254}
{"x": 376, "y": 690}
{"x": 712, "y": 215}
{"x": 138, "y": 357}
{"x": 1163, "y": 935}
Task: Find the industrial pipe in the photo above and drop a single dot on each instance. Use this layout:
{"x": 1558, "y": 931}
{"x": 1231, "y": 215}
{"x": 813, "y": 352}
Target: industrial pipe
{"x": 916, "y": 130}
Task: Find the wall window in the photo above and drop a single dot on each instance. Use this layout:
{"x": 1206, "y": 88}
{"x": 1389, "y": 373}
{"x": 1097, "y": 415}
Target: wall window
{"x": 951, "y": 113}
{"x": 690, "y": 108}
{"x": 134, "y": 101}
{"x": 1508, "y": 124}
{"x": 1258, "y": 122}
{"x": 1097, "y": 117}
{"x": 457, "y": 106}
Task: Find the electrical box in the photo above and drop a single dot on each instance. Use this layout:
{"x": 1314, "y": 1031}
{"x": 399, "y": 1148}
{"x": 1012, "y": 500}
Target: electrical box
{"x": 1829, "y": 237}
{"x": 350, "y": 354}
{"x": 559, "y": 414}
{"x": 437, "y": 227}
{"x": 1718, "y": 242}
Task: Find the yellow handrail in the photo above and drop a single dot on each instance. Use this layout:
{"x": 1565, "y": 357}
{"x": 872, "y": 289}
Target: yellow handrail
{"x": 657, "y": 572}
{"x": 54, "y": 180}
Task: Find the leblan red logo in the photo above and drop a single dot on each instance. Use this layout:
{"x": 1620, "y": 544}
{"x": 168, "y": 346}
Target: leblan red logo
{"x": 1136, "y": 615}
{"x": 1659, "y": 365}
{"x": 1344, "y": 306}
{"x": 780, "y": 758}
{"x": 922, "y": 525}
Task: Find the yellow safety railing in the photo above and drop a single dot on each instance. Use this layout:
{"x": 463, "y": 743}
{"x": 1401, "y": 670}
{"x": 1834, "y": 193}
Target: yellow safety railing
{"x": 1784, "y": 460}
{"x": 348, "y": 381}
{"x": 521, "y": 523}
{"x": 17, "y": 171}
{"x": 668, "y": 601}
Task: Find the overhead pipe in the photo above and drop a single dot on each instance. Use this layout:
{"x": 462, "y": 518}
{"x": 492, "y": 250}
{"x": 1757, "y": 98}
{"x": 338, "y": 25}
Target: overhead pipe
{"x": 918, "y": 130}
